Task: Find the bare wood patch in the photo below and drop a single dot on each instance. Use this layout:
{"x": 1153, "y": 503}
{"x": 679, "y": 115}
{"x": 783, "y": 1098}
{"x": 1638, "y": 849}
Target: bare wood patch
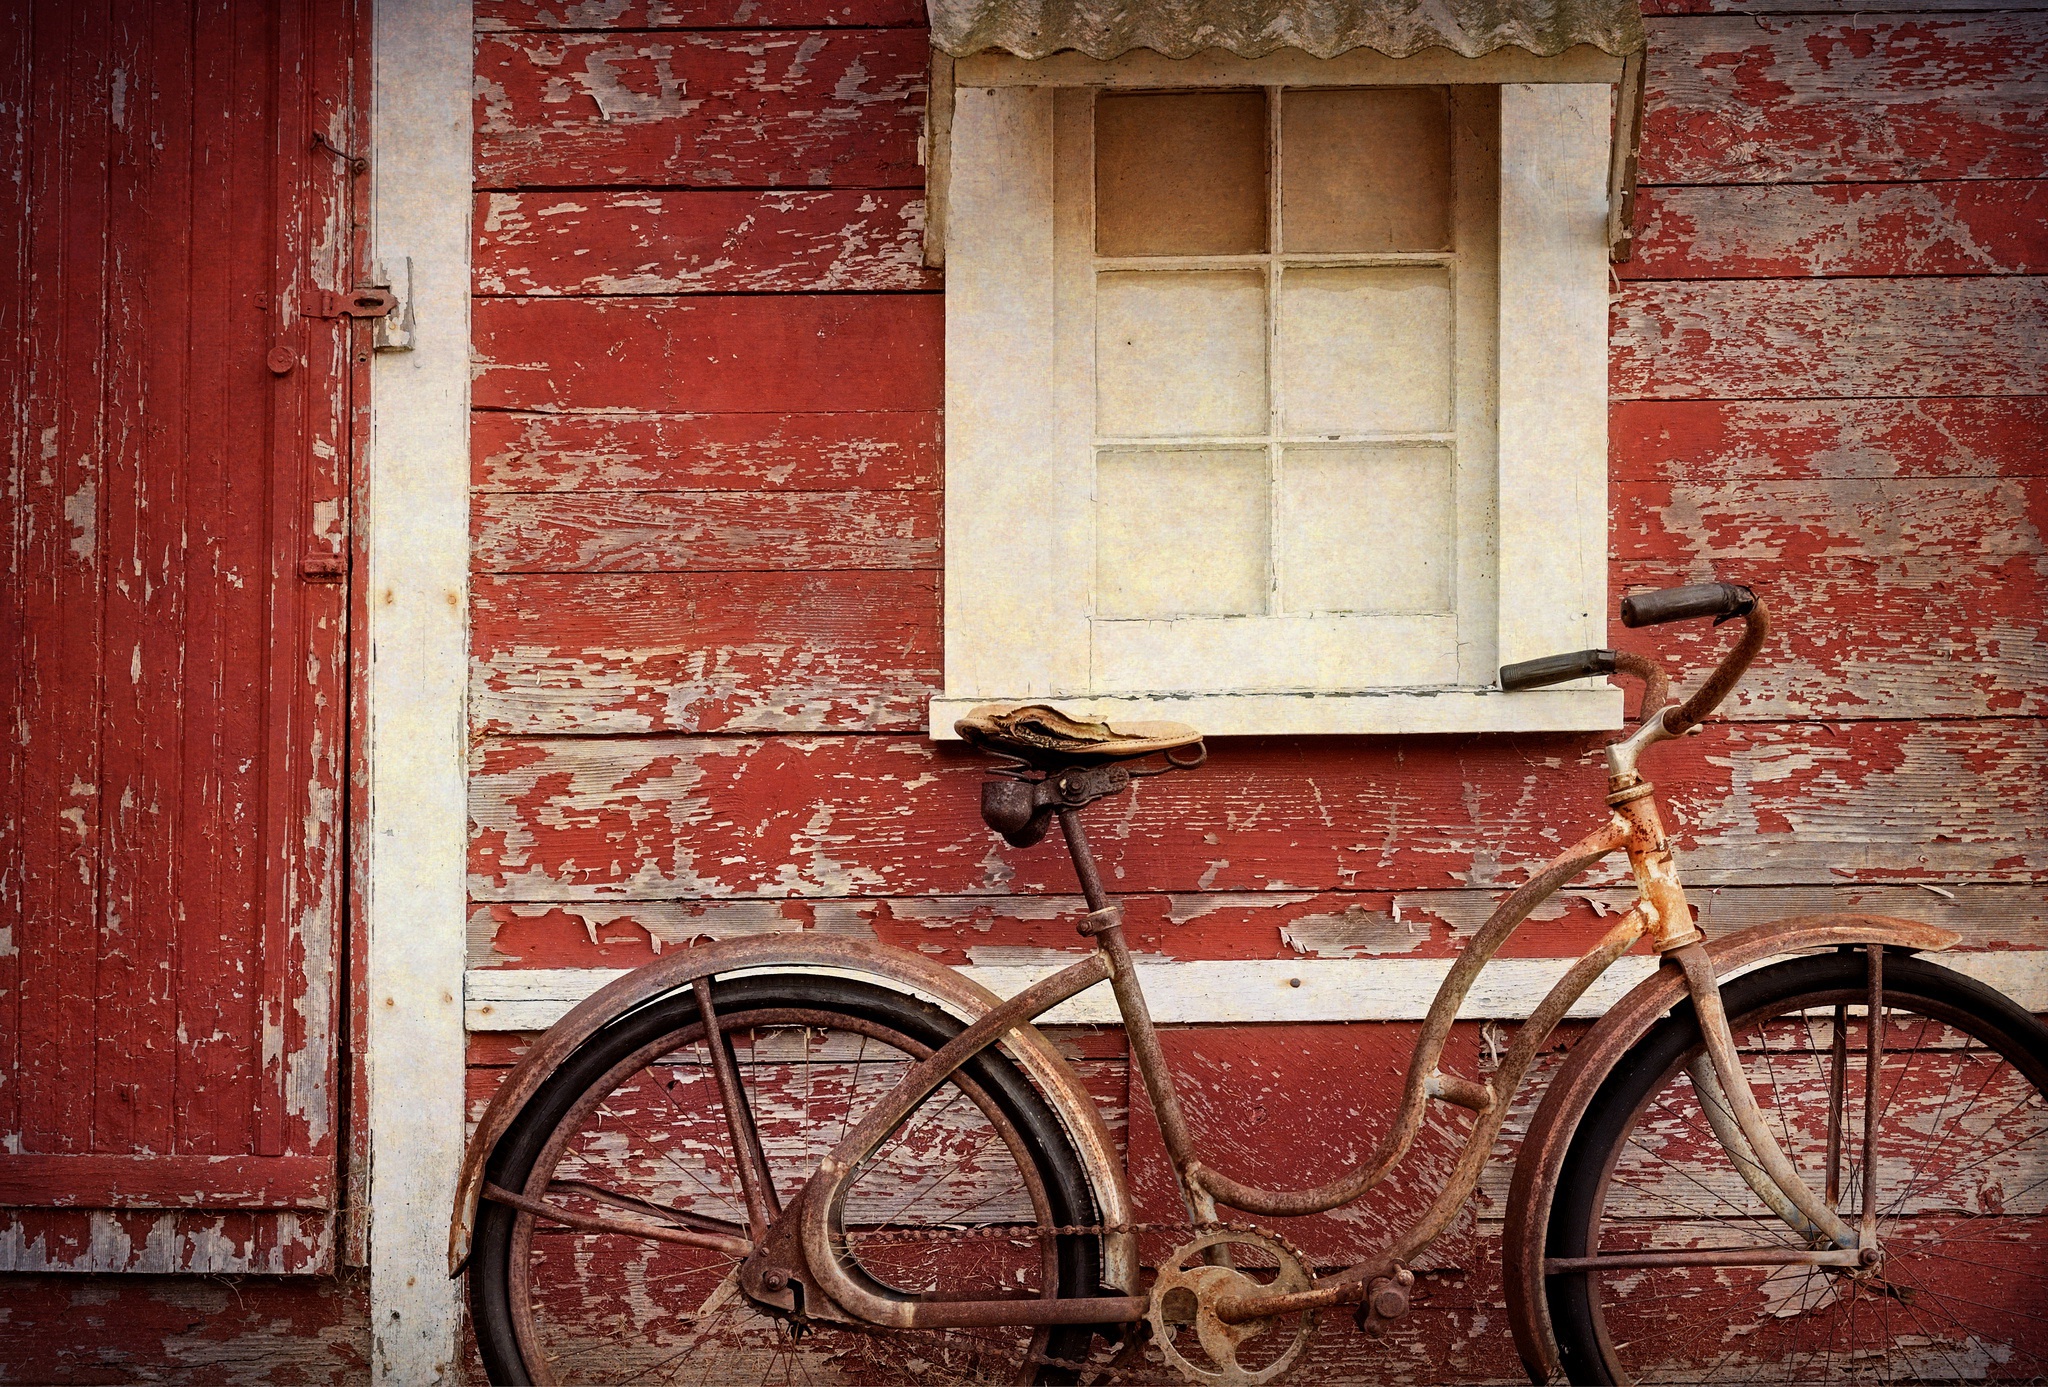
{"x": 1744, "y": 98}
{"x": 753, "y": 354}
{"x": 698, "y": 452}
{"x": 772, "y": 108}
{"x": 161, "y": 1241}
{"x": 1989, "y": 226}
{"x": 734, "y": 652}
{"x": 661, "y": 241}
{"x": 1708, "y": 442}
{"x": 1748, "y": 339}
{"x": 666, "y": 532}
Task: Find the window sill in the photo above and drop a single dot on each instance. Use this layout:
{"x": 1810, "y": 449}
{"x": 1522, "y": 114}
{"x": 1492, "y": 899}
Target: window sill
{"x": 1375, "y": 712}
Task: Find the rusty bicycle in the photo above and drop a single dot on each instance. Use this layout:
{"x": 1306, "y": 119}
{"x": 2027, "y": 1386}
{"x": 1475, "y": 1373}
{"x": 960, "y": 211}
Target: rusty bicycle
{"x": 1802, "y": 1152}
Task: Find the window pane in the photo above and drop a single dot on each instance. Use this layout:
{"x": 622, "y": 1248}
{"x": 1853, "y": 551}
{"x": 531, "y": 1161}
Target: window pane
{"x": 1180, "y": 353}
{"x": 1366, "y": 529}
{"x": 1180, "y": 534}
{"x": 1180, "y": 175}
{"x": 1365, "y": 350}
{"x": 1366, "y": 170}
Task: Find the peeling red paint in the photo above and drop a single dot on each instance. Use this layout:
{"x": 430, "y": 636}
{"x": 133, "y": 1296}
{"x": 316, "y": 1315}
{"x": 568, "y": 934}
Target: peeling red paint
{"x": 768, "y": 354}
{"x": 775, "y": 108}
{"x": 658, "y": 241}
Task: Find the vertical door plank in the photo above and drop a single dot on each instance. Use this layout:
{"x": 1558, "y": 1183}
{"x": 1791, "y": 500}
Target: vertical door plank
{"x": 19, "y": 462}
{"x": 134, "y": 1025}
{"x": 61, "y": 656}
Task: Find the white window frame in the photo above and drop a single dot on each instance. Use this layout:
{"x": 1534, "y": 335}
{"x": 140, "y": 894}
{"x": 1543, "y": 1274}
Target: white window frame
{"x": 1019, "y": 551}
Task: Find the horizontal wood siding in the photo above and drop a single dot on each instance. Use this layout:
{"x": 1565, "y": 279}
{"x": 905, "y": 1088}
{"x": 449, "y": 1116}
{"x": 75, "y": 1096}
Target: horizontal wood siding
{"x": 708, "y": 500}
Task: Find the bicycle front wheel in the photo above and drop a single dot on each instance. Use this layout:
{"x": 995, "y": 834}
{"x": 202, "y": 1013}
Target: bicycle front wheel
{"x": 960, "y": 1201}
{"x": 1960, "y": 1186}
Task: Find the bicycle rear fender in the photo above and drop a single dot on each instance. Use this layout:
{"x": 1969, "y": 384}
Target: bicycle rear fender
{"x": 879, "y": 963}
{"x": 1595, "y": 1053}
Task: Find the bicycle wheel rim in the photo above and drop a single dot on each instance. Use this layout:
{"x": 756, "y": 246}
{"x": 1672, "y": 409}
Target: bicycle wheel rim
{"x": 1964, "y": 1074}
{"x": 993, "y": 1113}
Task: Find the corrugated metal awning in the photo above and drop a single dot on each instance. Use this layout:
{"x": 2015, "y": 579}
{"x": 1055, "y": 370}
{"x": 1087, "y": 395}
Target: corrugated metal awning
{"x": 1254, "y": 28}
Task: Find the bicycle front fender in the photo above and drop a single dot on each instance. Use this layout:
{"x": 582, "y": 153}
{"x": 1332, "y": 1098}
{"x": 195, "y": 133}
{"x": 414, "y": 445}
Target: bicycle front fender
{"x": 881, "y": 963}
{"x": 1587, "y": 1065}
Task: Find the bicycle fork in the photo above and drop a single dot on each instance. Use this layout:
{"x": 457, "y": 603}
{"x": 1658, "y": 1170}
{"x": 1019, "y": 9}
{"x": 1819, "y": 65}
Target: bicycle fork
{"x": 1723, "y": 1087}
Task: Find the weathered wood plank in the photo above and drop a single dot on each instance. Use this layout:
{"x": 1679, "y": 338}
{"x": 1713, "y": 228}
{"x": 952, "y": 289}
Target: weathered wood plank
{"x": 1810, "y": 7}
{"x": 1751, "y": 804}
{"x": 731, "y": 652}
{"x": 1712, "y": 441}
{"x": 787, "y": 108}
{"x": 497, "y": 15}
{"x": 1743, "y": 98}
{"x": 250, "y": 1332}
{"x": 666, "y": 242}
{"x": 718, "y": 452}
{"x": 1946, "y": 636}
{"x": 165, "y": 1241}
{"x": 660, "y": 531}
{"x": 754, "y": 354}
{"x": 1771, "y": 521}
{"x": 1990, "y": 226}
{"x": 995, "y": 931}
{"x": 1748, "y": 339}
{"x": 99, "y": 1181}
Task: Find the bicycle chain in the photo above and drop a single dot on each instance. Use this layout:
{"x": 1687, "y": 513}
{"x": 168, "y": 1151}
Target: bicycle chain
{"x": 1017, "y": 1233}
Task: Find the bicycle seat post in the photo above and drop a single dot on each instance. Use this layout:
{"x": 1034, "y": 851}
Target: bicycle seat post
{"x": 1084, "y": 861}
{"x": 1104, "y": 923}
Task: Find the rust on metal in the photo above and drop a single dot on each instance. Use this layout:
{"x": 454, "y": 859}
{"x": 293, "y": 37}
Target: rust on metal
{"x": 1571, "y": 1089}
{"x": 632, "y": 1228}
{"x": 1048, "y": 1072}
{"x": 1436, "y": 1032}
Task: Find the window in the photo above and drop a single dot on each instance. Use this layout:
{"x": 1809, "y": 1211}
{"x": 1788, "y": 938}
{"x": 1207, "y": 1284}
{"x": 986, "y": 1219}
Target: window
{"x": 1277, "y": 408}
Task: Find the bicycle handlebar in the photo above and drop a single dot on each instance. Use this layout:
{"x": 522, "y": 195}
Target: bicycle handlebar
{"x": 1722, "y": 601}
{"x": 1718, "y": 600}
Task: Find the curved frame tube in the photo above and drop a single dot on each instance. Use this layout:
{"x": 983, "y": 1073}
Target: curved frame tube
{"x": 1436, "y": 1032}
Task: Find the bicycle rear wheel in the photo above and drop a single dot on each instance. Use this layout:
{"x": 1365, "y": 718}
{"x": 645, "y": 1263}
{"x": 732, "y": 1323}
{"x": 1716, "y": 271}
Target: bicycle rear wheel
{"x": 1961, "y": 1185}
{"x": 632, "y": 1128}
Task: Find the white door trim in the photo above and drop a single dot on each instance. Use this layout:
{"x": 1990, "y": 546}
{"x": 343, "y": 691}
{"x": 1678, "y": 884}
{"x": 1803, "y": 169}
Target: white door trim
{"x": 417, "y": 547}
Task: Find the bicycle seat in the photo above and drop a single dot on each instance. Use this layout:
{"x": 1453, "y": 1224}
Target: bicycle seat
{"x": 1044, "y": 736}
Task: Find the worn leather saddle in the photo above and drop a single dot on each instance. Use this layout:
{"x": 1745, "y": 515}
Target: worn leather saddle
{"x": 1043, "y": 736}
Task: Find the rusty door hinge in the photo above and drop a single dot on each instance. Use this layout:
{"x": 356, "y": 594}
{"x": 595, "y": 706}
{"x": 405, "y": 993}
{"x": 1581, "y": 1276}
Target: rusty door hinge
{"x": 369, "y": 301}
{"x": 323, "y": 568}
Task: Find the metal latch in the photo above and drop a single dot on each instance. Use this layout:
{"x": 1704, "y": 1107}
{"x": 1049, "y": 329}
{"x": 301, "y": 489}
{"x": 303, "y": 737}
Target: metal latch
{"x": 370, "y": 301}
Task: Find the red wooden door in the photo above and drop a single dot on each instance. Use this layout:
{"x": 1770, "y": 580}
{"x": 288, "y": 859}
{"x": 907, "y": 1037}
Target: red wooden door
{"x": 177, "y": 431}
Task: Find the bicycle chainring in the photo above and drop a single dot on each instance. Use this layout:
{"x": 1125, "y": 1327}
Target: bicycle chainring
{"x": 1198, "y": 1276}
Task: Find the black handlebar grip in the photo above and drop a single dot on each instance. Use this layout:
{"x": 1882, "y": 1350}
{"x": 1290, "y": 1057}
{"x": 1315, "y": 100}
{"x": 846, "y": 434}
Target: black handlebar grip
{"x": 1720, "y": 600}
{"x": 1556, "y": 669}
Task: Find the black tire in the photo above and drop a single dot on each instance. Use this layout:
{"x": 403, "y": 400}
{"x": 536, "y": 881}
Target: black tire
{"x": 1962, "y": 1188}
{"x": 601, "y": 1307}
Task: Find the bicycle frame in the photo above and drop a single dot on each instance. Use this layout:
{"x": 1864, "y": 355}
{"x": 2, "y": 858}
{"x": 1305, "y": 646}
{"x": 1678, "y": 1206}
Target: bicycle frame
{"x": 801, "y": 1243}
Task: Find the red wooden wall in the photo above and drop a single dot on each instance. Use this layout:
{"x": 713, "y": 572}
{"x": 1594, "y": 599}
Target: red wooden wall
{"x": 707, "y": 539}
